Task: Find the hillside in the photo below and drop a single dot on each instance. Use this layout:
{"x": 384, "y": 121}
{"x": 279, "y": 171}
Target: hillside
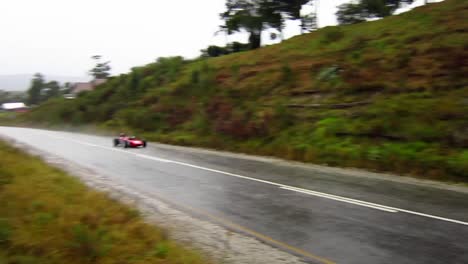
{"x": 388, "y": 95}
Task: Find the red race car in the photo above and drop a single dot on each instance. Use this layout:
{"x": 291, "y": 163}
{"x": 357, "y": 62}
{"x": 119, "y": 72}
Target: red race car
{"x": 129, "y": 142}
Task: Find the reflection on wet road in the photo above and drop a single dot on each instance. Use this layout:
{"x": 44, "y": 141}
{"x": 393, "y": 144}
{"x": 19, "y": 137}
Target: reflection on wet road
{"x": 346, "y": 219}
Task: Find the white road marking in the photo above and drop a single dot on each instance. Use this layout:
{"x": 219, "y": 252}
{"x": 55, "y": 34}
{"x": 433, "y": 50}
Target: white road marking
{"x": 342, "y": 199}
{"x": 432, "y": 216}
{"x": 227, "y": 173}
{"x": 153, "y": 158}
{"x": 281, "y": 186}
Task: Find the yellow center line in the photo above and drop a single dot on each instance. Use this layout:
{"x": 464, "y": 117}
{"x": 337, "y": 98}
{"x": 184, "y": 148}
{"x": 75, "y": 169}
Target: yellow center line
{"x": 232, "y": 225}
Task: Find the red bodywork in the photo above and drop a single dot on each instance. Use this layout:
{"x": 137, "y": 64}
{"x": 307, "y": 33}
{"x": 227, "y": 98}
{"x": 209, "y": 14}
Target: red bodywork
{"x": 131, "y": 142}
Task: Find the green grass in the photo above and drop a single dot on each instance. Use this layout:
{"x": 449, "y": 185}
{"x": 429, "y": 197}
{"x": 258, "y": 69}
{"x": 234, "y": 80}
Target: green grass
{"x": 49, "y": 217}
{"x": 409, "y": 69}
{"x": 6, "y": 117}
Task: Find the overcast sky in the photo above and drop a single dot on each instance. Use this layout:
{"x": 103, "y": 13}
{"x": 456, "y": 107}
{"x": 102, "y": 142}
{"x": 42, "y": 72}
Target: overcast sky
{"x": 58, "y": 37}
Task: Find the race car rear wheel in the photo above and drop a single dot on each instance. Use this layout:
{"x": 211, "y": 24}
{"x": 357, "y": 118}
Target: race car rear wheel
{"x": 144, "y": 144}
{"x": 116, "y": 142}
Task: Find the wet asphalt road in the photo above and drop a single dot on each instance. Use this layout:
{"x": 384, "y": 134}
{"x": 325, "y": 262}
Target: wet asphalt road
{"x": 302, "y": 207}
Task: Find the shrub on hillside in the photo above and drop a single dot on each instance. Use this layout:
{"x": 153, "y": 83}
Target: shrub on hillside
{"x": 332, "y": 34}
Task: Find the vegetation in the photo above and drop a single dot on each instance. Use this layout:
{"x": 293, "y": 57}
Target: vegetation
{"x": 388, "y": 95}
{"x": 254, "y": 16}
{"x": 40, "y": 90}
{"x": 11, "y": 96}
{"x": 49, "y": 217}
{"x": 101, "y": 70}
{"x": 355, "y": 12}
{"x": 216, "y": 51}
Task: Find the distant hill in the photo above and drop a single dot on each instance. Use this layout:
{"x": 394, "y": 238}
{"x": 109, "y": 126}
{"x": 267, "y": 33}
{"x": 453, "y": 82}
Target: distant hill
{"x": 20, "y": 82}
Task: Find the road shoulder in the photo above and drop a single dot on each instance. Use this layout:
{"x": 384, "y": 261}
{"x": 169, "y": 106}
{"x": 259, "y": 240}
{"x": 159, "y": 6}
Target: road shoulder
{"x": 220, "y": 242}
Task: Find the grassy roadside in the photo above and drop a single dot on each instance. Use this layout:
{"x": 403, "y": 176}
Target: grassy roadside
{"x": 50, "y": 217}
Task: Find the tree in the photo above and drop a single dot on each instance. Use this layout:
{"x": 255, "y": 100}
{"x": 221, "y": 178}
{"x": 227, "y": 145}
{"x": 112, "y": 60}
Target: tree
{"x": 308, "y": 22}
{"x": 216, "y": 51}
{"x": 352, "y": 13}
{"x": 237, "y": 47}
{"x": 9, "y": 97}
{"x": 101, "y": 70}
{"x": 49, "y": 90}
{"x": 4, "y": 96}
{"x": 67, "y": 87}
{"x": 40, "y": 90}
{"x": 254, "y": 16}
{"x": 291, "y": 9}
{"x": 34, "y": 91}
{"x": 246, "y": 15}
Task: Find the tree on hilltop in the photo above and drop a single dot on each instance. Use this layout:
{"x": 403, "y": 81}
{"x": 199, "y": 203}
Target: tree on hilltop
{"x": 34, "y": 91}
{"x": 352, "y": 13}
{"x": 255, "y": 16}
{"x": 101, "y": 70}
